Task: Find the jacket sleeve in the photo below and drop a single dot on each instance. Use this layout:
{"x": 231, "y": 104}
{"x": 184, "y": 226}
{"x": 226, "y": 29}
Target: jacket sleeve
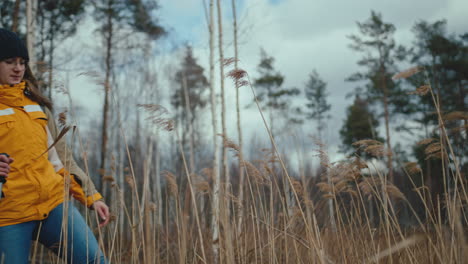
{"x": 81, "y": 187}
{"x": 76, "y": 190}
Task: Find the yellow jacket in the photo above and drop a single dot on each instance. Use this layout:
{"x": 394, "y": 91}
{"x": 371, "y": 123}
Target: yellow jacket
{"x": 35, "y": 184}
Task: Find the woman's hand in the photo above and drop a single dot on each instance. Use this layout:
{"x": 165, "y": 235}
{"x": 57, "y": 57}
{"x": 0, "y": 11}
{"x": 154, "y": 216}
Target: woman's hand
{"x": 5, "y": 165}
{"x": 103, "y": 211}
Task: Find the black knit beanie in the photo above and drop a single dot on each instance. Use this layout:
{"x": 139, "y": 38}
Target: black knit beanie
{"x": 11, "y": 46}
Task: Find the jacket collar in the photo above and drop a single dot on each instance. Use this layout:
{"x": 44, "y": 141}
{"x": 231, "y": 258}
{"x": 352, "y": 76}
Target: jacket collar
{"x": 12, "y": 95}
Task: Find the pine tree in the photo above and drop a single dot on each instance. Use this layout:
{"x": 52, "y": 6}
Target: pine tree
{"x": 316, "y": 95}
{"x": 444, "y": 58}
{"x": 56, "y": 20}
{"x": 360, "y": 123}
{"x": 274, "y": 98}
{"x": 380, "y": 54}
{"x": 191, "y": 75}
{"x": 10, "y": 14}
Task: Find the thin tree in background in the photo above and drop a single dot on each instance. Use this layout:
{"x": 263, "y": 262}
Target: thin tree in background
{"x": 316, "y": 95}
{"x": 54, "y": 21}
{"x": 188, "y": 112}
{"x": 359, "y": 124}
{"x": 268, "y": 85}
{"x": 445, "y": 60}
{"x": 57, "y": 20}
{"x": 227, "y": 189}
{"x": 274, "y": 98}
{"x": 190, "y": 128}
{"x": 223, "y": 100}
{"x": 16, "y": 11}
{"x": 115, "y": 15}
{"x": 216, "y": 174}
{"x": 31, "y": 9}
{"x": 272, "y": 95}
{"x": 380, "y": 53}
{"x": 107, "y": 30}
{"x": 189, "y": 99}
{"x": 239, "y": 127}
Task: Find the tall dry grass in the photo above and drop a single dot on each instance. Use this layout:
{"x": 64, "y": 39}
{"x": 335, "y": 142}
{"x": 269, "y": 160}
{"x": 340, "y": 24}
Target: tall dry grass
{"x": 366, "y": 227}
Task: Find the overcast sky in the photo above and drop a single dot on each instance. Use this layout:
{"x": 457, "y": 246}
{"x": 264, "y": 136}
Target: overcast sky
{"x": 303, "y": 35}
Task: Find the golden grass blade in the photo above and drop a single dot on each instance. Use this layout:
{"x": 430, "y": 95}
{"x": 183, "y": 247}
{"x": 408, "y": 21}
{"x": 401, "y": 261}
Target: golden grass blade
{"x": 60, "y": 136}
{"x": 395, "y": 248}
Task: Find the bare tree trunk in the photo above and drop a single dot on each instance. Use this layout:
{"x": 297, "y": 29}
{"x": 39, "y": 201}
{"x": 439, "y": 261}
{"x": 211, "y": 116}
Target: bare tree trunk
{"x": 239, "y": 127}
{"x": 154, "y": 97}
{"x": 188, "y": 194}
{"x": 148, "y": 228}
{"x": 157, "y": 184}
{"x": 16, "y": 10}
{"x": 387, "y": 199}
{"x": 105, "y": 111}
{"x": 216, "y": 175}
{"x": 51, "y": 62}
{"x": 308, "y": 205}
{"x": 387, "y": 126}
{"x": 223, "y": 101}
{"x": 331, "y": 209}
{"x": 227, "y": 207}
{"x": 31, "y": 8}
{"x": 189, "y": 118}
{"x": 121, "y": 182}
{"x": 389, "y": 176}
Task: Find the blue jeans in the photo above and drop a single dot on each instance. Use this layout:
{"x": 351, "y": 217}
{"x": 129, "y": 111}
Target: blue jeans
{"x": 82, "y": 247}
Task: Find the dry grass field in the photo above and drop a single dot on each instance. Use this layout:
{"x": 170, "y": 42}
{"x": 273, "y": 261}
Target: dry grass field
{"x": 348, "y": 214}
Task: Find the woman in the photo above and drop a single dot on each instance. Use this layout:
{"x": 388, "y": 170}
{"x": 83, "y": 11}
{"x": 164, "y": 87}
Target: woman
{"x": 32, "y": 206}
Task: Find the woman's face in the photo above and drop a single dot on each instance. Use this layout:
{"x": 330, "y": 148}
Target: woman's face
{"x": 12, "y": 70}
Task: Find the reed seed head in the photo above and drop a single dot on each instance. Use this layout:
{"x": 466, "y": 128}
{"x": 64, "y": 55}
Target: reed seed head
{"x": 108, "y": 178}
{"x": 407, "y": 73}
{"x": 229, "y": 61}
{"x": 157, "y": 115}
{"x": 130, "y": 182}
{"x": 456, "y": 115}
{"x": 422, "y": 90}
{"x": 412, "y": 168}
{"x": 171, "y": 183}
{"x": 426, "y": 141}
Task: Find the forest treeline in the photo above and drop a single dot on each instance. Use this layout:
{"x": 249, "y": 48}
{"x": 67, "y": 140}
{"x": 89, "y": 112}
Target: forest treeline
{"x": 159, "y": 149}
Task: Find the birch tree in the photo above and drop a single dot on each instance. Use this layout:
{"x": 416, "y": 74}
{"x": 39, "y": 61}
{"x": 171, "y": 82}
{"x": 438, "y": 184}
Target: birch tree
{"x": 214, "y": 116}
{"x": 221, "y": 83}
{"x": 239, "y": 126}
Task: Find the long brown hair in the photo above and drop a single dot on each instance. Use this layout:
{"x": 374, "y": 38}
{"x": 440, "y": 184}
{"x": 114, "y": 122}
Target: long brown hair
{"x": 32, "y": 89}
